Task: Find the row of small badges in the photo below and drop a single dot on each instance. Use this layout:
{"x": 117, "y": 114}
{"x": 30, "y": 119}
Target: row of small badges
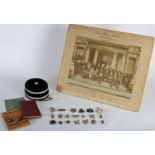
{"x": 76, "y": 116}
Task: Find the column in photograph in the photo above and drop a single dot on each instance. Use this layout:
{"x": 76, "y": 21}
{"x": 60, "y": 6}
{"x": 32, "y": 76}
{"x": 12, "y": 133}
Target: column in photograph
{"x": 113, "y": 65}
{"x": 86, "y": 59}
{"x": 95, "y": 57}
{"x": 136, "y": 65}
{"x": 130, "y": 62}
{"x": 75, "y": 51}
{"x": 123, "y": 63}
{"x": 126, "y": 69}
{"x": 126, "y": 64}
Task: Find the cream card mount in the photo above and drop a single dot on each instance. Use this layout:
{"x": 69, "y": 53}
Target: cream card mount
{"x": 105, "y": 66}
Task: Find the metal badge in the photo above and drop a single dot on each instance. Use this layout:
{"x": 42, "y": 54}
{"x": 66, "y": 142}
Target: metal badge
{"x": 61, "y": 109}
{"x": 68, "y": 122}
{"x": 93, "y": 121}
{"x": 52, "y": 122}
{"x": 99, "y": 110}
{"x": 67, "y": 116}
{"x": 73, "y": 110}
{"x": 100, "y": 116}
{"x": 60, "y": 116}
{"x": 102, "y": 121}
{"x": 75, "y": 116}
{"x": 60, "y": 122}
{"x": 52, "y": 109}
{"x": 77, "y": 122}
{"x": 52, "y": 116}
{"x": 90, "y": 110}
{"x": 81, "y": 110}
{"x": 83, "y": 116}
{"x": 92, "y": 116}
{"x": 85, "y": 121}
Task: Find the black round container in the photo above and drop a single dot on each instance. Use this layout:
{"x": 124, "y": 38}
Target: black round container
{"x": 36, "y": 89}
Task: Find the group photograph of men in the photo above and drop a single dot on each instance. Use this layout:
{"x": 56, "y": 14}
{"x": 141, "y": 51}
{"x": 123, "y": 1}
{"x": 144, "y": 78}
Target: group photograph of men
{"x": 104, "y": 69}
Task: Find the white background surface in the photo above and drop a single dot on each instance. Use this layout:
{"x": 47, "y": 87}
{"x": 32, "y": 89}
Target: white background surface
{"x": 72, "y": 11}
{"x": 29, "y": 51}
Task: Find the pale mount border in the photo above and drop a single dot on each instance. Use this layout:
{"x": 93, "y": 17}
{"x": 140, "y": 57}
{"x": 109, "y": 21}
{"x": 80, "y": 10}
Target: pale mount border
{"x": 144, "y": 42}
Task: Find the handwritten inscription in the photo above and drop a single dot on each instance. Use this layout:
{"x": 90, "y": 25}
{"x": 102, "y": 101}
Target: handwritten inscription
{"x": 109, "y": 36}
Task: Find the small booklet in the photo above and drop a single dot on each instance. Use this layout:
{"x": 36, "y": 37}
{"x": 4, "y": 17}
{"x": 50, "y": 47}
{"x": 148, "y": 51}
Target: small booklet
{"x": 13, "y": 104}
{"x": 30, "y": 109}
{"x": 14, "y": 119}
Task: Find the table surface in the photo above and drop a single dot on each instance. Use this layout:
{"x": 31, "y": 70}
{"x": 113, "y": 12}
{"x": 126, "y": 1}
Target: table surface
{"x": 36, "y": 50}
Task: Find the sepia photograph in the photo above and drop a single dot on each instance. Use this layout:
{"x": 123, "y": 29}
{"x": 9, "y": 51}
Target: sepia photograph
{"x": 106, "y": 66}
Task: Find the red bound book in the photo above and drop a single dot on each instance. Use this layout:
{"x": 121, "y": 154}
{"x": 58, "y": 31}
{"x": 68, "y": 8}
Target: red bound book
{"x": 30, "y": 109}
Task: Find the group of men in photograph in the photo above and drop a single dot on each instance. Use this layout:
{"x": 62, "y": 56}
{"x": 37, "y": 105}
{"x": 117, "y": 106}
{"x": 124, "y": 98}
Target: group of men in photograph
{"x": 101, "y": 73}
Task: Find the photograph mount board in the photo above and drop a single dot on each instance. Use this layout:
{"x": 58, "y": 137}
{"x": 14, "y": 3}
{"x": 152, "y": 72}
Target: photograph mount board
{"x": 105, "y": 66}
